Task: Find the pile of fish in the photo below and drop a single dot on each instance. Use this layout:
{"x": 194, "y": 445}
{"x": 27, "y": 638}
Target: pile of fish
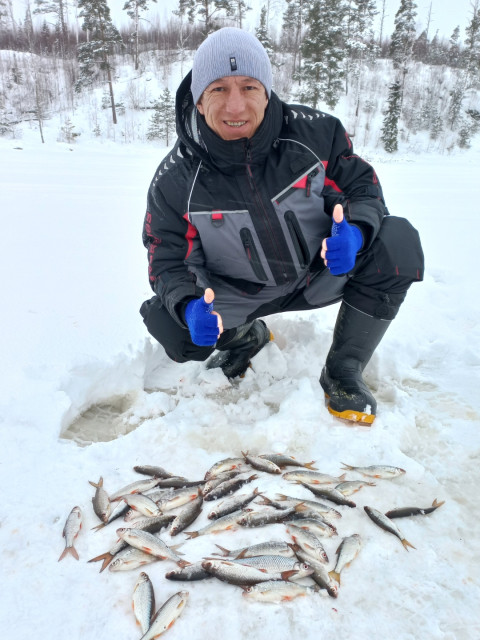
{"x": 269, "y": 571}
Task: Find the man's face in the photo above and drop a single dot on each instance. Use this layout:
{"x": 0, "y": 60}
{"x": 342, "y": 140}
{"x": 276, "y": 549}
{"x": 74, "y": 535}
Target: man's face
{"x": 234, "y": 106}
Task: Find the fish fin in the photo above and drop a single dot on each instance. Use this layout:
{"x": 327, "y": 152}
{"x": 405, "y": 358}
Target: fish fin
{"x": 106, "y": 557}
{"x": 288, "y": 574}
{"x": 191, "y": 534}
{"x": 69, "y": 550}
{"x": 407, "y": 544}
{"x": 309, "y": 465}
{"x": 342, "y": 477}
{"x": 437, "y": 504}
{"x": 282, "y": 497}
{"x": 183, "y": 563}
{"x": 225, "y": 552}
{"x": 99, "y": 526}
{"x": 241, "y": 555}
{"x": 254, "y": 477}
{"x": 336, "y": 576}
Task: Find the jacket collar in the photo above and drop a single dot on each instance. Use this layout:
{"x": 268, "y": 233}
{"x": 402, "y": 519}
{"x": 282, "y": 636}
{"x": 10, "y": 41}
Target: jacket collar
{"x": 229, "y": 156}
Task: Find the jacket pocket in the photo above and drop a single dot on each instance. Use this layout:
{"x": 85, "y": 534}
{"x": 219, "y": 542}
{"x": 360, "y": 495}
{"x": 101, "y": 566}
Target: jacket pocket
{"x": 299, "y": 243}
{"x": 252, "y": 253}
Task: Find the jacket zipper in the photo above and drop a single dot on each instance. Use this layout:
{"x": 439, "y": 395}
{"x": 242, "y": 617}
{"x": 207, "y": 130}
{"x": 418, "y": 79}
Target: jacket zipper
{"x": 252, "y": 253}
{"x": 298, "y": 240}
{"x": 308, "y": 187}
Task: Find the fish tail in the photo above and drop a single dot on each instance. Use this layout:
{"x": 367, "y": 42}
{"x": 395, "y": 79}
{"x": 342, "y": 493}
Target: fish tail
{"x": 97, "y": 484}
{"x": 407, "y": 544}
{"x": 99, "y": 526}
{"x": 335, "y": 575}
{"x": 225, "y": 552}
{"x": 437, "y": 504}
{"x": 183, "y": 563}
{"x": 69, "y": 550}
{"x": 282, "y": 497}
{"x": 347, "y": 466}
{"x": 191, "y": 534}
{"x": 106, "y": 557}
{"x": 309, "y": 465}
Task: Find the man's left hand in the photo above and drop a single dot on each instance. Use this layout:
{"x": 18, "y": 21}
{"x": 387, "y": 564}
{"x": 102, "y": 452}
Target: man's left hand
{"x": 340, "y": 250}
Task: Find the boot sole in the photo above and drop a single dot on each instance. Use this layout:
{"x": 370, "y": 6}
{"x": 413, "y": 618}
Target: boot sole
{"x": 350, "y": 415}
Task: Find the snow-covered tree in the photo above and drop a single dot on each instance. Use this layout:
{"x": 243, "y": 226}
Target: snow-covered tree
{"x": 360, "y": 45}
{"x": 261, "y": 33}
{"x": 389, "y": 135}
{"x": 162, "y": 122}
{"x": 240, "y": 10}
{"x": 323, "y": 53}
{"x": 454, "y": 54}
{"x": 133, "y": 9}
{"x": 103, "y": 36}
{"x": 207, "y": 12}
{"x": 403, "y": 36}
{"x": 294, "y": 19}
{"x": 472, "y": 45}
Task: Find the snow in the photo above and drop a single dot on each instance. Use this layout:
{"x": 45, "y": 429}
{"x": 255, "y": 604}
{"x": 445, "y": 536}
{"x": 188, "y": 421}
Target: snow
{"x": 73, "y": 273}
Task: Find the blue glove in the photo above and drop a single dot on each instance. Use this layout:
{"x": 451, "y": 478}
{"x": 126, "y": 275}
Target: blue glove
{"x": 202, "y": 323}
{"x": 343, "y": 245}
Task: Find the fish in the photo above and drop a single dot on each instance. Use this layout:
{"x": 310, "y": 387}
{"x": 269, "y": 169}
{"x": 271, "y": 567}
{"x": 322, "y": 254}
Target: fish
{"x": 346, "y": 554}
{"x": 177, "y": 498}
{"x": 312, "y": 477}
{"x": 349, "y": 487}
{"x": 145, "y": 524}
{"x": 235, "y": 573}
{"x": 143, "y": 602}
{"x": 413, "y": 511}
{"x": 145, "y": 541}
{"x": 308, "y": 542}
{"x": 320, "y": 572}
{"x": 187, "y": 515}
{"x": 228, "y": 487}
{"x": 282, "y": 460}
{"x": 278, "y": 564}
{"x": 193, "y": 571}
{"x": 143, "y": 505}
{"x": 216, "y": 480}
{"x": 318, "y": 527}
{"x": 178, "y": 483}
{"x": 276, "y": 591}
{"x": 312, "y": 505}
{"x": 264, "y": 517}
{"x": 228, "y": 464}
{"x": 385, "y": 523}
{"x": 329, "y": 493}
{"x": 140, "y": 486}
{"x": 71, "y": 529}
{"x": 101, "y": 501}
{"x": 167, "y": 615}
{"x": 261, "y": 464}
{"x": 377, "y": 471}
{"x": 232, "y": 504}
{"x": 129, "y": 559}
{"x": 158, "y": 472}
{"x": 271, "y": 547}
{"x": 226, "y": 523}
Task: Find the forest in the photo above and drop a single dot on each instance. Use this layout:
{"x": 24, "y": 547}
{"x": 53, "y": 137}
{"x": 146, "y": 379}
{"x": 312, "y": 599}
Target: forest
{"x": 66, "y": 61}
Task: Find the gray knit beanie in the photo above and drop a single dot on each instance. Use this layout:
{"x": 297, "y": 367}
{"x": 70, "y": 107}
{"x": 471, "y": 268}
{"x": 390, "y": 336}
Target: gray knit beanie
{"x": 230, "y": 52}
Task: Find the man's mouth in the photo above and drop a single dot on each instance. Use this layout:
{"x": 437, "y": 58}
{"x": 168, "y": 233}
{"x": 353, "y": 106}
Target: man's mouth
{"x": 232, "y": 123}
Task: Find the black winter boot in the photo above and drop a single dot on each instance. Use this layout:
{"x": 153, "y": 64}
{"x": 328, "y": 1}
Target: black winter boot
{"x": 355, "y": 338}
{"x": 234, "y": 357}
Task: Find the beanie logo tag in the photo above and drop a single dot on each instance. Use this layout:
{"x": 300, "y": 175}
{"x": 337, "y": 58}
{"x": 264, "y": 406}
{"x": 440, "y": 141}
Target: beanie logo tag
{"x": 233, "y": 63}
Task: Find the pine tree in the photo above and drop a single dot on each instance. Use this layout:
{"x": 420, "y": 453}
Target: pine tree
{"x": 454, "y": 48}
{"x": 389, "y": 135}
{"x": 162, "y": 122}
{"x": 207, "y": 12}
{"x": 240, "y": 9}
{"x": 103, "y": 36}
{"x": 60, "y": 11}
{"x": 403, "y": 36}
{"x": 360, "y": 44}
{"x": 261, "y": 33}
{"x": 323, "y": 53}
{"x": 472, "y": 46}
{"x": 294, "y": 19}
{"x": 133, "y": 9}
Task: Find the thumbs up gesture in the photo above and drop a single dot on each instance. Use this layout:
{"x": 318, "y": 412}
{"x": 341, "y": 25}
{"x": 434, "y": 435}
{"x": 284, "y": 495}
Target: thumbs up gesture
{"x": 204, "y": 323}
{"x": 340, "y": 250}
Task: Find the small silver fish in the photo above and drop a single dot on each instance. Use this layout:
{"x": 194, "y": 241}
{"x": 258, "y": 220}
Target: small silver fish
{"x": 140, "y": 486}
{"x": 313, "y": 505}
{"x": 143, "y": 602}
{"x": 228, "y": 464}
{"x": 377, "y": 471}
{"x": 101, "y": 501}
{"x": 271, "y": 547}
{"x": 232, "y": 504}
{"x": 403, "y": 512}
{"x": 129, "y": 559}
{"x": 158, "y": 472}
{"x": 312, "y": 477}
{"x": 329, "y": 493}
{"x": 387, "y": 525}
{"x": 308, "y": 542}
{"x": 226, "y": 523}
{"x": 177, "y": 498}
{"x": 151, "y": 544}
{"x": 346, "y": 554}
{"x": 264, "y": 517}
{"x": 143, "y": 505}
{"x": 166, "y": 615}
{"x": 349, "y": 487}
{"x": 261, "y": 464}
{"x": 193, "y": 571}
{"x": 187, "y": 515}
{"x": 278, "y": 564}
{"x": 276, "y": 591}
{"x": 235, "y": 573}
{"x": 228, "y": 487}
{"x": 318, "y": 527}
{"x": 282, "y": 460}
{"x": 72, "y": 527}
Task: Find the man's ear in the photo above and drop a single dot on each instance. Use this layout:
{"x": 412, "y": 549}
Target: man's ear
{"x": 200, "y": 107}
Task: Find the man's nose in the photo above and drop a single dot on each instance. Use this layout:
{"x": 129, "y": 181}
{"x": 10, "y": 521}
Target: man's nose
{"x": 235, "y": 100}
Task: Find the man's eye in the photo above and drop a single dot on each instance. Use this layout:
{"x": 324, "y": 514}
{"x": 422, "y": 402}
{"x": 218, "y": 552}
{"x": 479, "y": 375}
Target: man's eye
{"x": 251, "y": 87}
{"x": 217, "y": 89}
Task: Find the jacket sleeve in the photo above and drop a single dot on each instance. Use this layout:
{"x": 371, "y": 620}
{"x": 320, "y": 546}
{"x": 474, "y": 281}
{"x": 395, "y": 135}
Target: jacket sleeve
{"x": 352, "y": 181}
{"x": 168, "y": 237}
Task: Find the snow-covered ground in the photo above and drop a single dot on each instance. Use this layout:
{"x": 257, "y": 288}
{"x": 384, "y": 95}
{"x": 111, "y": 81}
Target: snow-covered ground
{"x": 73, "y": 275}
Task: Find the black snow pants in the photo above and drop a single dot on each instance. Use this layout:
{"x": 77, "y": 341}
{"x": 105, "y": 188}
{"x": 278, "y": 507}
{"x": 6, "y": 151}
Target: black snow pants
{"x": 377, "y": 286}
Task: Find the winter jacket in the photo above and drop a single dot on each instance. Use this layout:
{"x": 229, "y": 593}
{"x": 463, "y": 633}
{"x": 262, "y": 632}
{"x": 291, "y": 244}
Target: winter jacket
{"x": 252, "y": 213}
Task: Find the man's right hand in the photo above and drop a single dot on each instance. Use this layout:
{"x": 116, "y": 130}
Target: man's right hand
{"x": 204, "y": 323}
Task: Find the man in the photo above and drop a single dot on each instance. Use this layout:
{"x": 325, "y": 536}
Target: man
{"x": 260, "y": 208}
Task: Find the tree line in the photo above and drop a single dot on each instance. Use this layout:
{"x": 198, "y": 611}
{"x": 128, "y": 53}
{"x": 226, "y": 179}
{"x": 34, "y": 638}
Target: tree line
{"x": 325, "y": 50}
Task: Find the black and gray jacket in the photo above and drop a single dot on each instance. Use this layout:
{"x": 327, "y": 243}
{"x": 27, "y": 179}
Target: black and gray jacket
{"x": 252, "y": 213}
